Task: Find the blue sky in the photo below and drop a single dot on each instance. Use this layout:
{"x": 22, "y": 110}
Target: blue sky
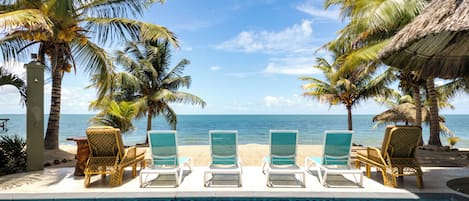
{"x": 246, "y": 57}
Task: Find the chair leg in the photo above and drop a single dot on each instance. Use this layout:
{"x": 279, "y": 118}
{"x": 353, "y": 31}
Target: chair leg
{"x": 384, "y": 175}
{"x": 87, "y": 180}
{"x": 240, "y": 178}
{"x": 318, "y": 169}
{"x": 116, "y": 177}
{"x": 323, "y": 182}
{"x": 179, "y": 172}
{"x": 134, "y": 169}
{"x": 140, "y": 179}
{"x": 205, "y": 179}
{"x": 419, "y": 181}
{"x": 264, "y": 163}
{"x": 368, "y": 170}
{"x": 304, "y": 180}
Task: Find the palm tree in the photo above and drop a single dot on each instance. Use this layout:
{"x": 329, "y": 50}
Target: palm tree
{"x": 154, "y": 84}
{"x": 117, "y": 114}
{"x": 7, "y": 78}
{"x": 62, "y": 32}
{"x": 348, "y": 88}
{"x": 372, "y": 24}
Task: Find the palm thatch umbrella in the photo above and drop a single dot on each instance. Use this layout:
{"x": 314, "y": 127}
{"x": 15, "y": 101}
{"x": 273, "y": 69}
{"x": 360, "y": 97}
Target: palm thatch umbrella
{"x": 405, "y": 112}
{"x": 435, "y": 43}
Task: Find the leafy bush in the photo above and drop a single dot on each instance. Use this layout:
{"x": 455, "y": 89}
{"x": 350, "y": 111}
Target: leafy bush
{"x": 12, "y": 155}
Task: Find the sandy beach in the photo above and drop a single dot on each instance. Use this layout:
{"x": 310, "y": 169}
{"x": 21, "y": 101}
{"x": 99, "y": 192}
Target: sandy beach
{"x": 250, "y": 154}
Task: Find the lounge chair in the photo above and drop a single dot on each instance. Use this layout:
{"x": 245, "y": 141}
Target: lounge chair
{"x": 282, "y": 156}
{"x": 396, "y": 157}
{"x": 164, "y": 157}
{"x": 224, "y": 155}
{"x": 335, "y": 158}
{"x": 108, "y": 156}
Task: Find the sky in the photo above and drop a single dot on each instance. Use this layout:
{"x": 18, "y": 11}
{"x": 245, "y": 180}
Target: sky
{"x": 246, "y": 57}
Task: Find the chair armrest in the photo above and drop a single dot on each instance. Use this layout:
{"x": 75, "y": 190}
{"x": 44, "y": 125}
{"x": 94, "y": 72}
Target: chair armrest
{"x": 375, "y": 154}
{"x": 131, "y": 152}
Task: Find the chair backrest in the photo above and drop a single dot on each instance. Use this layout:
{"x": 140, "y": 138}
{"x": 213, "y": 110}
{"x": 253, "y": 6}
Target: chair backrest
{"x": 283, "y": 147}
{"x": 163, "y": 147}
{"x": 337, "y": 146}
{"x": 223, "y": 147}
{"x": 105, "y": 141}
{"x": 402, "y": 141}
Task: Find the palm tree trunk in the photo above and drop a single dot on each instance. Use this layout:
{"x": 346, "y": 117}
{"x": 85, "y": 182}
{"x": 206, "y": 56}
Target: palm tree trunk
{"x": 349, "y": 119}
{"x": 418, "y": 108}
{"x": 149, "y": 119}
{"x": 434, "y": 124}
{"x": 52, "y": 134}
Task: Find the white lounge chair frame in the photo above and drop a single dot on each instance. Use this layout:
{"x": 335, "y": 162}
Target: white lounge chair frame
{"x": 177, "y": 171}
{"x": 224, "y": 169}
{"x": 311, "y": 164}
{"x": 268, "y": 169}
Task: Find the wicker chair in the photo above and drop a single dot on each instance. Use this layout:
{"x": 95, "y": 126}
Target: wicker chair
{"x": 108, "y": 155}
{"x": 396, "y": 158}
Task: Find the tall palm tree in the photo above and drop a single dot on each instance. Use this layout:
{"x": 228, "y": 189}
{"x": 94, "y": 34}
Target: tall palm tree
{"x": 371, "y": 25}
{"x": 7, "y": 78}
{"x": 347, "y": 88}
{"x": 154, "y": 84}
{"x": 66, "y": 34}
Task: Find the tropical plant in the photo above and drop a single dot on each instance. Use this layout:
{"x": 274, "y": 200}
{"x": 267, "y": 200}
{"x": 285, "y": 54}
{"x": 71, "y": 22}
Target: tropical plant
{"x": 61, "y": 32}
{"x": 116, "y": 114}
{"x": 348, "y": 88}
{"x": 150, "y": 82}
{"x": 7, "y": 78}
{"x": 12, "y": 154}
{"x": 396, "y": 99}
{"x": 371, "y": 25}
{"x": 452, "y": 140}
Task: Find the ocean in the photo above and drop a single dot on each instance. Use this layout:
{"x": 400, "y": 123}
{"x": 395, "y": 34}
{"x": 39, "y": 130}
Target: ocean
{"x": 252, "y": 129}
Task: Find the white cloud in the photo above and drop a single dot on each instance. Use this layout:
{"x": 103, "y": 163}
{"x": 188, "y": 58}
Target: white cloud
{"x": 309, "y": 8}
{"x": 293, "y": 65}
{"x": 215, "y": 68}
{"x": 290, "y": 40}
{"x": 273, "y": 69}
{"x": 187, "y": 49}
{"x": 272, "y": 101}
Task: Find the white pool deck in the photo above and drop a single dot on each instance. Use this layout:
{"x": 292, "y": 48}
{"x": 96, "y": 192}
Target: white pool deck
{"x": 59, "y": 183}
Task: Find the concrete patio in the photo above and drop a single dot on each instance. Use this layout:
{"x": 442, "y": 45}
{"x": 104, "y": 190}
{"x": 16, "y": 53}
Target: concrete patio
{"x": 59, "y": 183}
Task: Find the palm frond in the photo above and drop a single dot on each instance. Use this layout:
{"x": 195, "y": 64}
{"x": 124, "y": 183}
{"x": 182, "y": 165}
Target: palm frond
{"x": 13, "y": 47}
{"x": 120, "y": 29}
{"x": 7, "y": 78}
{"x": 116, "y": 8}
{"x": 170, "y": 116}
{"x": 31, "y": 19}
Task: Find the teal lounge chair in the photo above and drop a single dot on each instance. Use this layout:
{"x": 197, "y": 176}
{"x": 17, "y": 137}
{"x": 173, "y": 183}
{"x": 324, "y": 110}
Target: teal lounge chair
{"x": 335, "y": 158}
{"x": 224, "y": 155}
{"x": 164, "y": 157}
{"x": 282, "y": 156}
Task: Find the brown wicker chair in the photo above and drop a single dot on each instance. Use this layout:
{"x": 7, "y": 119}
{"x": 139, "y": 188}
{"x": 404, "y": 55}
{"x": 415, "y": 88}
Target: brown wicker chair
{"x": 396, "y": 158}
{"x": 108, "y": 156}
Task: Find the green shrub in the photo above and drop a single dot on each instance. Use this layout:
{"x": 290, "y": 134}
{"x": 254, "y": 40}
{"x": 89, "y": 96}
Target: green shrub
{"x": 12, "y": 155}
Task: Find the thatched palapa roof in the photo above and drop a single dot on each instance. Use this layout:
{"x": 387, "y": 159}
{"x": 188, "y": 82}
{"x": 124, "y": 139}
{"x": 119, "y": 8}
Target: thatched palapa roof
{"x": 405, "y": 112}
{"x": 435, "y": 43}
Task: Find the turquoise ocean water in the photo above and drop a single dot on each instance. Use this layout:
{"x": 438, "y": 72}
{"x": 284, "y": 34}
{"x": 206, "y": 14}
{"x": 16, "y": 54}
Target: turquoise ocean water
{"x": 193, "y": 129}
